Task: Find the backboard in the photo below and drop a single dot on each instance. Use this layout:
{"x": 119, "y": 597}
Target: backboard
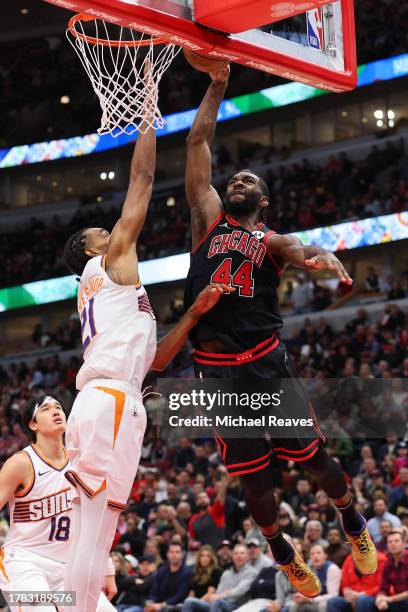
{"x": 316, "y": 47}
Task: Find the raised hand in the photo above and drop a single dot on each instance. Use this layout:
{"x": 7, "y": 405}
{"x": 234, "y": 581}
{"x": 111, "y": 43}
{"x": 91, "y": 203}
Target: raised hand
{"x": 221, "y": 76}
{"x": 328, "y": 261}
{"x": 209, "y": 297}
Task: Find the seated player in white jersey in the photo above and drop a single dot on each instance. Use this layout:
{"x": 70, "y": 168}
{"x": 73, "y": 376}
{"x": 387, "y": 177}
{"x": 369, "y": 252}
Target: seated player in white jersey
{"x": 33, "y": 483}
{"x": 107, "y": 422}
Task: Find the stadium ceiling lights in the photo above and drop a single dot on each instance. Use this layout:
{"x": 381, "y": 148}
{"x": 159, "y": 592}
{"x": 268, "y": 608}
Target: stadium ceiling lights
{"x": 107, "y": 175}
{"x": 380, "y": 116}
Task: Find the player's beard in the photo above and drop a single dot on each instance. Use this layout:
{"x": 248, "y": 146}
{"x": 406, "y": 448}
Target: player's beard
{"x": 246, "y": 206}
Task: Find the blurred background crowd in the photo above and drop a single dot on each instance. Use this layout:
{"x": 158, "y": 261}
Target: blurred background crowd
{"x": 186, "y": 535}
{"x": 303, "y": 195}
{"x": 185, "y": 541}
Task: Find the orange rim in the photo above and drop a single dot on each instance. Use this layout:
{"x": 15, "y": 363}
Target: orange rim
{"x": 156, "y": 40}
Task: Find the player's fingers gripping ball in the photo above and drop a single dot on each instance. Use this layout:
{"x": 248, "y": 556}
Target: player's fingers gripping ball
{"x": 203, "y": 63}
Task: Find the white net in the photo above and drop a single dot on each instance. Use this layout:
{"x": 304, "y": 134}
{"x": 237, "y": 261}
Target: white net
{"x": 125, "y": 72}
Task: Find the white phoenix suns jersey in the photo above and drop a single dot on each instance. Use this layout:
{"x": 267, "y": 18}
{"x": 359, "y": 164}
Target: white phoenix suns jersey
{"x": 118, "y": 328}
{"x": 40, "y": 519}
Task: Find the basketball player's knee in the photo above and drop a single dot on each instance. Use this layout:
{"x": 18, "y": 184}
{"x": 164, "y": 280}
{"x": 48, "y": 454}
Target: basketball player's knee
{"x": 327, "y": 473}
{"x": 257, "y": 484}
{"x": 317, "y": 463}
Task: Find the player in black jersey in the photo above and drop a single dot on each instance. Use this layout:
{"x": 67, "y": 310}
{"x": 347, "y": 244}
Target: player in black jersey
{"x": 239, "y": 338}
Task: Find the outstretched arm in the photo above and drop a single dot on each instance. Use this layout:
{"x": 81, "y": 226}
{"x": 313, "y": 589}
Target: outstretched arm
{"x": 173, "y": 342}
{"x": 204, "y": 201}
{"x": 288, "y": 250}
{"x": 121, "y": 259}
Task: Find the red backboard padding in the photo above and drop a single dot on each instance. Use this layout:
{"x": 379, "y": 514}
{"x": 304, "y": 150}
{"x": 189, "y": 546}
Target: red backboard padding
{"x": 146, "y": 16}
{"x": 239, "y": 15}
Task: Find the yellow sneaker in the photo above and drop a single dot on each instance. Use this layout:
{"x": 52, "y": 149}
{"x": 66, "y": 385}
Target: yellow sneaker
{"x": 363, "y": 552}
{"x": 301, "y": 577}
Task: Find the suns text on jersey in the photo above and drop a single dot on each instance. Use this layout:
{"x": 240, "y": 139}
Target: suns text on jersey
{"x": 89, "y": 290}
{"x": 46, "y": 507}
{"x": 240, "y": 241}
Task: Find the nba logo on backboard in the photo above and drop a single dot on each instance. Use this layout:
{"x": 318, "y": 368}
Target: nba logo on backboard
{"x": 315, "y": 29}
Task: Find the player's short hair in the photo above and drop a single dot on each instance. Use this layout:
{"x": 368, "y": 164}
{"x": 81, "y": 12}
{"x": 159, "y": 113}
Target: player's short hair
{"x": 74, "y": 252}
{"x": 28, "y": 415}
{"x": 27, "y": 418}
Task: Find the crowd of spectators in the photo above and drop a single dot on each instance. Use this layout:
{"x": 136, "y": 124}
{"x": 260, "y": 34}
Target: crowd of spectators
{"x": 66, "y": 336}
{"x": 162, "y": 563}
{"x": 185, "y": 541}
{"x": 20, "y": 384}
{"x": 303, "y": 196}
{"x": 48, "y": 68}
{"x": 378, "y": 22}
{"x": 303, "y": 296}
{"x": 365, "y": 350}
{"x": 307, "y": 296}
{"x": 394, "y": 288}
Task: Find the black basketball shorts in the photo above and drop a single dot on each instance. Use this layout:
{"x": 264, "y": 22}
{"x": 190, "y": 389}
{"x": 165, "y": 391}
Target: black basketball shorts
{"x": 268, "y": 361}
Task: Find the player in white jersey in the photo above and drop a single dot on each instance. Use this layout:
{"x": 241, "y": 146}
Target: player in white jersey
{"x": 107, "y": 423}
{"x": 33, "y": 483}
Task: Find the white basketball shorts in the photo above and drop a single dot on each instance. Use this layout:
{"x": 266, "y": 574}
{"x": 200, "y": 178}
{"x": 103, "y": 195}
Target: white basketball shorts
{"x": 24, "y": 572}
{"x": 104, "y": 439}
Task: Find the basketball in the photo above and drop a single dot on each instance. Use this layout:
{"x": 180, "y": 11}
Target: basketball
{"x": 203, "y": 63}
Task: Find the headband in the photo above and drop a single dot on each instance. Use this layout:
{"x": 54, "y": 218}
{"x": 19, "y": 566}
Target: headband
{"x": 47, "y": 399}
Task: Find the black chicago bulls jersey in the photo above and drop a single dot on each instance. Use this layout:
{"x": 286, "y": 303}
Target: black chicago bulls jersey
{"x": 233, "y": 255}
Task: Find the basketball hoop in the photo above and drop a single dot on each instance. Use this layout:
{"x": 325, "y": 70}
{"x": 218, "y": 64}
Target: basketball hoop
{"x": 125, "y": 68}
